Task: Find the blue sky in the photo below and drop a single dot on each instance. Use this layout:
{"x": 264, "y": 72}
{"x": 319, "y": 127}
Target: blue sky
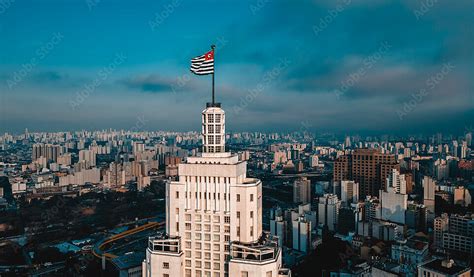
{"x": 344, "y": 66}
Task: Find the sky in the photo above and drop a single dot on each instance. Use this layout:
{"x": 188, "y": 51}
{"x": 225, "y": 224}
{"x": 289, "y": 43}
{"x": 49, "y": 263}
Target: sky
{"x": 397, "y": 67}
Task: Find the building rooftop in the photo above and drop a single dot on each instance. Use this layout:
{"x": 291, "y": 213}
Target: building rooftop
{"x": 444, "y": 266}
{"x": 129, "y": 260}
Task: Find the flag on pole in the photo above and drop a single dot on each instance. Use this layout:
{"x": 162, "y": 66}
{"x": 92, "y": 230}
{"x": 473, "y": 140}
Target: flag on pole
{"x": 204, "y": 64}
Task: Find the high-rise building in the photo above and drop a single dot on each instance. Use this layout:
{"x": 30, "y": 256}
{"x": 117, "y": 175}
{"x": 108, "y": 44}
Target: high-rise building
{"x": 397, "y": 182}
{"x": 137, "y": 147}
{"x": 441, "y": 225}
{"x": 116, "y": 175}
{"x": 462, "y": 196}
{"x": 469, "y": 139}
{"x": 302, "y": 190}
{"x": 393, "y": 203}
{"x": 214, "y": 216}
{"x": 87, "y": 156}
{"x": 342, "y": 168}
{"x": 278, "y": 225}
{"x": 429, "y": 190}
{"x": 313, "y": 161}
{"x": 64, "y": 159}
{"x": 368, "y": 167}
{"x": 301, "y": 229}
{"x": 460, "y": 235}
{"x": 328, "y": 209}
{"x": 48, "y": 151}
{"x": 349, "y": 192}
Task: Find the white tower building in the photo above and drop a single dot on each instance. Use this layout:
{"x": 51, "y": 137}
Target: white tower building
{"x": 214, "y": 216}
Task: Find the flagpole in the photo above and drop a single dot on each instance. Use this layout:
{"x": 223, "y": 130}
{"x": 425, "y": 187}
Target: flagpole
{"x": 213, "y": 47}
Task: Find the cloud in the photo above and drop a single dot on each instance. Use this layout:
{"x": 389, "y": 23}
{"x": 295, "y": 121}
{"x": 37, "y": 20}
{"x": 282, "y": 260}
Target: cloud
{"x": 48, "y": 76}
{"x": 149, "y": 83}
{"x": 256, "y": 42}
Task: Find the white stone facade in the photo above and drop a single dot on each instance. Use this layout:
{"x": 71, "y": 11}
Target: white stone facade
{"x": 212, "y": 208}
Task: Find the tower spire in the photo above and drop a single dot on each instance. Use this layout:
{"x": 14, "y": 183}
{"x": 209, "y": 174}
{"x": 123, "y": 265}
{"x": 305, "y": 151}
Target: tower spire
{"x": 213, "y": 47}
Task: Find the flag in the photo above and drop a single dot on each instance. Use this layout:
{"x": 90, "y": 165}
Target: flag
{"x": 204, "y": 64}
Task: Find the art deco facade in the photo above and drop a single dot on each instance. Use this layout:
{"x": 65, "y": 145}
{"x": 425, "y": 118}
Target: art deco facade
{"x": 214, "y": 216}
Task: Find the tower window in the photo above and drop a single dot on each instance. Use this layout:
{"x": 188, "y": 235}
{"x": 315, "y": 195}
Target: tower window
{"x": 210, "y": 118}
{"x": 218, "y": 118}
{"x": 210, "y": 129}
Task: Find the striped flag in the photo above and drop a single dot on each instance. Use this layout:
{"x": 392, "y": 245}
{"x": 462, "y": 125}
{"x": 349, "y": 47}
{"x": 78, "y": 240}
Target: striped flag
{"x": 204, "y": 64}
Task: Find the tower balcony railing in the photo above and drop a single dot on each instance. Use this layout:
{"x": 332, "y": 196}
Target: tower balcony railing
{"x": 284, "y": 272}
{"x": 266, "y": 248}
{"x": 211, "y": 105}
{"x": 165, "y": 243}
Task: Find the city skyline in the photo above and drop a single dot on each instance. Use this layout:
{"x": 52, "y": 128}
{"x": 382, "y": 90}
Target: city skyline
{"x": 231, "y": 138}
{"x": 101, "y": 64}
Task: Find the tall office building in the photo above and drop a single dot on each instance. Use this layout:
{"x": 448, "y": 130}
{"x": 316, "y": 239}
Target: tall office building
{"x": 214, "y": 216}
{"x": 393, "y": 203}
{"x": 349, "y": 192}
{"x": 441, "y": 225}
{"x": 368, "y": 167}
{"x": 429, "y": 191}
{"x": 397, "y": 182}
{"x": 278, "y": 225}
{"x": 460, "y": 235}
{"x": 302, "y": 190}
{"x": 301, "y": 229}
{"x": 342, "y": 168}
{"x": 328, "y": 211}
